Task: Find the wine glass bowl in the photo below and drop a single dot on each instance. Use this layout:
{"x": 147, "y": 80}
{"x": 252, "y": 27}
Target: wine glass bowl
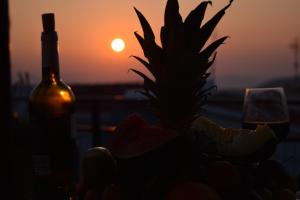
{"x": 266, "y": 106}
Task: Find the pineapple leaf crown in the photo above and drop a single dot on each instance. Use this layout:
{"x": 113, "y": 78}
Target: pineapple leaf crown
{"x": 180, "y": 65}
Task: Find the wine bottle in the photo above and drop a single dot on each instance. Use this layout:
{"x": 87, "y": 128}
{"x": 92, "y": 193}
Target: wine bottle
{"x": 51, "y": 108}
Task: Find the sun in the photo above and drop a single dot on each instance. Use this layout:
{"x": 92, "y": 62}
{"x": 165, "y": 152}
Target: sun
{"x": 118, "y": 45}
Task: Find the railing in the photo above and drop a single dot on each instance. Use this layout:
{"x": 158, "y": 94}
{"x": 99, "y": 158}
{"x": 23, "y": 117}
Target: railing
{"x": 97, "y": 106}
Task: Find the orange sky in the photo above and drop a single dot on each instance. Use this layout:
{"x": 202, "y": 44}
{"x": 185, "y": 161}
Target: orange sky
{"x": 257, "y": 51}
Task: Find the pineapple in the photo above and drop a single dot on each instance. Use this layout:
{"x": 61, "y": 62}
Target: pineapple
{"x": 180, "y": 65}
{"x": 178, "y": 89}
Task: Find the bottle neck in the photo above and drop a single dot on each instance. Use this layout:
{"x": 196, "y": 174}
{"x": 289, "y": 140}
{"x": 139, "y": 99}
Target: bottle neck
{"x": 50, "y": 59}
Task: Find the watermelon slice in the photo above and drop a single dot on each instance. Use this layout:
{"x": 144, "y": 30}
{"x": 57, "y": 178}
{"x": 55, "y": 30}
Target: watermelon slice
{"x": 134, "y": 137}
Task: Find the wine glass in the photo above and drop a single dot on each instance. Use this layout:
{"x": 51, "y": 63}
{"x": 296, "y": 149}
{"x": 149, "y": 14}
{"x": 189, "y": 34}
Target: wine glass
{"x": 266, "y": 106}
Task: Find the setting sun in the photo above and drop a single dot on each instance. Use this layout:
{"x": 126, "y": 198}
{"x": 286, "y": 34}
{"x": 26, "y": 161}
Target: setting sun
{"x": 118, "y": 45}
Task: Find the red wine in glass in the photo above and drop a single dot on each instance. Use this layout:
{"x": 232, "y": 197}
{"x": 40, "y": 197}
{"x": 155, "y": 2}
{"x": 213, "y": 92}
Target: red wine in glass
{"x": 266, "y": 106}
{"x": 281, "y": 129}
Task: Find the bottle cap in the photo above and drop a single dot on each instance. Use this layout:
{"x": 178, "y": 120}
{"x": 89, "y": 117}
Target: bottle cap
{"x": 48, "y": 22}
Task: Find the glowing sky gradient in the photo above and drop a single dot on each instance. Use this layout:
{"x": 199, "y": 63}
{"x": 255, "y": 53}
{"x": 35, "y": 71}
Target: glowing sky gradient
{"x": 258, "y": 49}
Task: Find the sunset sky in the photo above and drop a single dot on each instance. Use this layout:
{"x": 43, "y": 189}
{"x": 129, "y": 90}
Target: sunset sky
{"x": 257, "y": 51}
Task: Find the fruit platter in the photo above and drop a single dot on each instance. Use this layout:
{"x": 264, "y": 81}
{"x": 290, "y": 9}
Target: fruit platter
{"x": 185, "y": 156}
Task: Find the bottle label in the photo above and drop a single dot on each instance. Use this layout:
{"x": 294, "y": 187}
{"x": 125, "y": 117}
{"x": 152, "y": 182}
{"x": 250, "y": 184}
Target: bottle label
{"x": 54, "y": 153}
{"x": 41, "y": 165}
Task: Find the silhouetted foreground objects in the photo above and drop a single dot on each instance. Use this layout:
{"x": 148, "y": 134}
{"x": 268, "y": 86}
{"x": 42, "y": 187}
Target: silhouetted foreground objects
{"x": 144, "y": 168}
{"x": 185, "y": 156}
{"x": 5, "y": 104}
{"x": 51, "y": 107}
